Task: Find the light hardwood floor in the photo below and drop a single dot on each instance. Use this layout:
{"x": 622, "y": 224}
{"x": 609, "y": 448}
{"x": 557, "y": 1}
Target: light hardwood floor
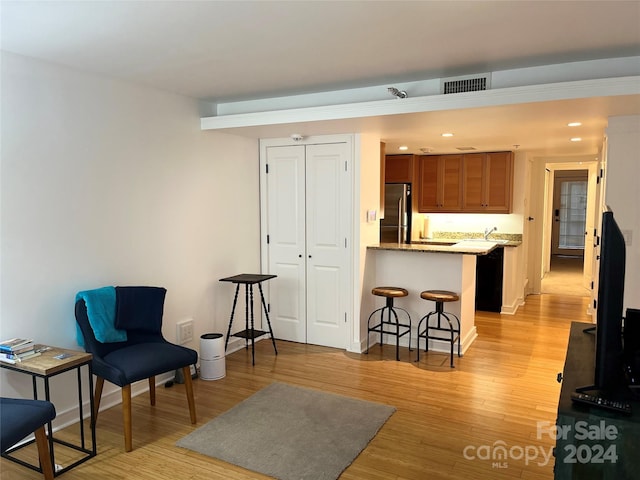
{"x": 565, "y": 277}
{"x": 498, "y": 392}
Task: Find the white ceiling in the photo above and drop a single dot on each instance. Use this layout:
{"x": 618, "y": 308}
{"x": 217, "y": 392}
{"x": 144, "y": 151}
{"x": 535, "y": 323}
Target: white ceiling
{"x": 234, "y": 50}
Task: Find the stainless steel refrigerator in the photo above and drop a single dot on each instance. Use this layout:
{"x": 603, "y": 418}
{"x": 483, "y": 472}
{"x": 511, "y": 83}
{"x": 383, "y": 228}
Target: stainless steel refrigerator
{"x": 395, "y": 227}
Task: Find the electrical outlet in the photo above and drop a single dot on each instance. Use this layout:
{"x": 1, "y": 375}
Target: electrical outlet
{"x": 184, "y": 332}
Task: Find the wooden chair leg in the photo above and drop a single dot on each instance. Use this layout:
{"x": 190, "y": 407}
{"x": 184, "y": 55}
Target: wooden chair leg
{"x": 43, "y": 453}
{"x": 126, "y": 416}
{"x": 188, "y": 384}
{"x": 152, "y": 390}
{"x": 96, "y": 398}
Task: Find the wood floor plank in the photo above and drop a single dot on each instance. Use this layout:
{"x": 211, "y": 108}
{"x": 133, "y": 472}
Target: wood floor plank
{"x": 499, "y": 390}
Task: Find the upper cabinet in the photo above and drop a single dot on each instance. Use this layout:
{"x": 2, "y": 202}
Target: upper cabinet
{"x": 440, "y": 183}
{"x": 487, "y": 181}
{"x": 398, "y": 169}
{"x": 470, "y": 183}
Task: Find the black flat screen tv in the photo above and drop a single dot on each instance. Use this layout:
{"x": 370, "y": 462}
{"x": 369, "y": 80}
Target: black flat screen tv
{"x": 609, "y": 377}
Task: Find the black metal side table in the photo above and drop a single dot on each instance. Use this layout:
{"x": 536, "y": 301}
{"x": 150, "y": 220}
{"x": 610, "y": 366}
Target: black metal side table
{"x": 248, "y": 280}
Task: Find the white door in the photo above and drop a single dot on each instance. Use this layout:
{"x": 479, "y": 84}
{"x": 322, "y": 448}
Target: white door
{"x": 308, "y": 219}
{"x": 286, "y": 244}
{"x": 328, "y": 214}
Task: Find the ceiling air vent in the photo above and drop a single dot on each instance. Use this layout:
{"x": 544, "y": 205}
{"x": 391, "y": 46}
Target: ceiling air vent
{"x": 471, "y": 83}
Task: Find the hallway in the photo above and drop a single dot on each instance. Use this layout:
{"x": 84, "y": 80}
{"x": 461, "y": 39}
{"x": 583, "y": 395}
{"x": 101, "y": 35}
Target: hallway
{"x": 565, "y": 277}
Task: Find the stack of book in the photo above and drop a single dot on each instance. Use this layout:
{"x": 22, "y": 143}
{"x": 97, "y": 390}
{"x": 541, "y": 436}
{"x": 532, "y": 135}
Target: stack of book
{"x": 17, "y": 350}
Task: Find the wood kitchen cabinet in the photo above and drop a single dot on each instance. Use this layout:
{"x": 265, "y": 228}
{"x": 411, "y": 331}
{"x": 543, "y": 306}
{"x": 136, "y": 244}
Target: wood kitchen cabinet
{"x": 440, "y": 183}
{"x": 487, "y": 181}
{"x": 469, "y": 183}
{"x": 398, "y": 169}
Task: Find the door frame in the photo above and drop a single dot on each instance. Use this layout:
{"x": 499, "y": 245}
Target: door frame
{"x": 549, "y": 165}
{"x": 559, "y": 177}
{"x": 264, "y": 143}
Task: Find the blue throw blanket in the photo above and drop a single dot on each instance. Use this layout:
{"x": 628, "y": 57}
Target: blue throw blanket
{"x": 101, "y": 310}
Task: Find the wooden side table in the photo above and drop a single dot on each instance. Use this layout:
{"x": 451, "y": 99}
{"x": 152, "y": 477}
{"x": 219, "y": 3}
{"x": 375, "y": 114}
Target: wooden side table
{"x": 248, "y": 280}
{"x": 51, "y": 362}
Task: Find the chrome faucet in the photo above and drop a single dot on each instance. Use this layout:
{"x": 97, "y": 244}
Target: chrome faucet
{"x": 489, "y": 231}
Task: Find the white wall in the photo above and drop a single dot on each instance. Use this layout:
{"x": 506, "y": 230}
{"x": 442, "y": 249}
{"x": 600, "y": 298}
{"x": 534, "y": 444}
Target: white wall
{"x": 109, "y": 183}
{"x": 623, "y": 194}
{"x": 367, "y": 198}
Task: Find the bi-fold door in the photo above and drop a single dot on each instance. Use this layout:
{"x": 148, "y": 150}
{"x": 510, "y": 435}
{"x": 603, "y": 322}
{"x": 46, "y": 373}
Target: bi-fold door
{"x": 308, "y": 218}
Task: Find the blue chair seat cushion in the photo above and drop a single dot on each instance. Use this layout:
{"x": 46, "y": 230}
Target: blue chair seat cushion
{"x": 143, "y": 360}
{"x": 22, "y": 417}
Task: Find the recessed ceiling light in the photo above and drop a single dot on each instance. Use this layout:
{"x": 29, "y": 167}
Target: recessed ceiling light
{"x": 403, "y": 147}
{"x": 574, "y": 124}
{"x": 447, "y": 134}
{"x": 576, "y": 139}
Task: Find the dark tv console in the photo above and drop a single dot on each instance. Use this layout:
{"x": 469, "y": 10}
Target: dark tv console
{"x": 592, "y": 443}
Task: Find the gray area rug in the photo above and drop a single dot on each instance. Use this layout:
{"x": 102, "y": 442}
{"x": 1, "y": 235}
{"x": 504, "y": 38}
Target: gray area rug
{"x": 291, "y": 433}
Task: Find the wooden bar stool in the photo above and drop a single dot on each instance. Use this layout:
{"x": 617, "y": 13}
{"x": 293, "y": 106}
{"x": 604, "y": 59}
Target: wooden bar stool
{"x": 446, "y": 321}
{"x": 392, "y": 323}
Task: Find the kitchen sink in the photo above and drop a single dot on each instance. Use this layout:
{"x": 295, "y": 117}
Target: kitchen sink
{"x": 493, "y": 240}
{"x": 476, "y": 243}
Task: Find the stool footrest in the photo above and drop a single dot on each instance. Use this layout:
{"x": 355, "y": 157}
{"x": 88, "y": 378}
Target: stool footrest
{"x": 433, "y": 337}
{"x": 453, "y": 330}
{"x": 379, "y": 328}
{"x": 394, "y": 326}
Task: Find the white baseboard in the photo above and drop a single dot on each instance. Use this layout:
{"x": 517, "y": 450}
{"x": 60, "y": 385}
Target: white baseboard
{"x": 513, "y": 308}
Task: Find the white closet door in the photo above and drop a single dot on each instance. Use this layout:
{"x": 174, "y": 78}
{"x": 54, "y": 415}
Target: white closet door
{"x": 287, "y": 255}
{"x": 328, "y": 213}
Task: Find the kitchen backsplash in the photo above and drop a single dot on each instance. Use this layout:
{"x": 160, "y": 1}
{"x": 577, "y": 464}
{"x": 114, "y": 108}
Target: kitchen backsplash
{"x": 512, "y": 237}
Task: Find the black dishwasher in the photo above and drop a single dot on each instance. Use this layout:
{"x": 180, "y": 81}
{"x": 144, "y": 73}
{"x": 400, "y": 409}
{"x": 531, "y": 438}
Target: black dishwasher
{"x": 489, "y": 274}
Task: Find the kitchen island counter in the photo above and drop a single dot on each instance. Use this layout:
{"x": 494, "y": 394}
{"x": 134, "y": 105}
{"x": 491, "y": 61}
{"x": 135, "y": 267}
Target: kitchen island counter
{"x": 469, "y": 248}
{"x": 451, "y": 241}
{"x": 419, "y": 267}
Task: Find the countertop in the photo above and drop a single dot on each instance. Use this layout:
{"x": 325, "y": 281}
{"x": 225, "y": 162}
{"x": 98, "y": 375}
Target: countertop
{"x": 449, "y": 238}
{"x": 443, "y": 242}
{"x": 435, "y": 248}
{"x": 451, "y": 241}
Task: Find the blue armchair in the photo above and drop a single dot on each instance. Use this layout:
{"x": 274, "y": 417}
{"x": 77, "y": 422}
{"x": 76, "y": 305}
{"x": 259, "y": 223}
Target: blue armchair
{"x": 143, "y": 355}
{"x": 22, "y": 417}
